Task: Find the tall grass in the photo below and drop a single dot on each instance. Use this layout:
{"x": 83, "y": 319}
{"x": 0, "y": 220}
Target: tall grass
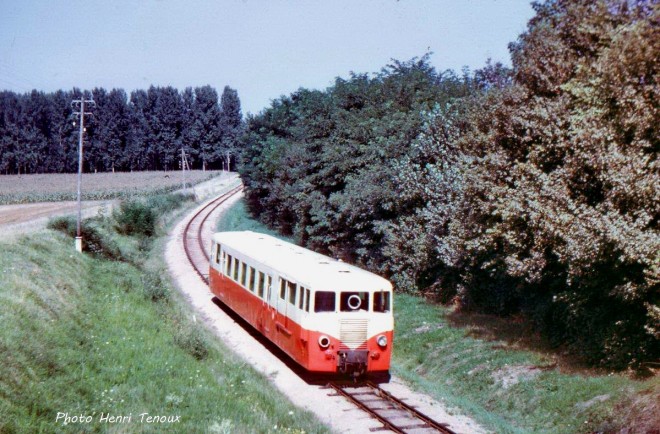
{"x": 84, "y": 335}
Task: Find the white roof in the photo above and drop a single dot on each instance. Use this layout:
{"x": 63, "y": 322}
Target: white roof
{"x": 303, "y": 266}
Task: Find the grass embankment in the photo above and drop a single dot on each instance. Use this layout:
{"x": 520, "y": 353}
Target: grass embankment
{"x": 507, "y": 388}
{"x": 504, "y": 387}
{"x": 105, "y": 333}
{"x": 96, "y": 186}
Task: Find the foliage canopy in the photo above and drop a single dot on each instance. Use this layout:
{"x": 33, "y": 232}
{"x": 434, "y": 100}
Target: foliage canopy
{"x": 532, "y": 190}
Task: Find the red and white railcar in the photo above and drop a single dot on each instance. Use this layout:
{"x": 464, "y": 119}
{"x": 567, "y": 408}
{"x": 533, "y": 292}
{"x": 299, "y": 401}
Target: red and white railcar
{"x": 329, "y": 316}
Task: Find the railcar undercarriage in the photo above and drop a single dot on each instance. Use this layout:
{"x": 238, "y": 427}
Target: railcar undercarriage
{"x": 352, "y": 362}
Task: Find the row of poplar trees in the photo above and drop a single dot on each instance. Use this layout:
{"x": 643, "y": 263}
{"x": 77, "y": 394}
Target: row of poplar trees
{"x": 525, "y": 191}
{"x": 145, "y": 131}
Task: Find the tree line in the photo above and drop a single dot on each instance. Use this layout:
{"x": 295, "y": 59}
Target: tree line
{"x": 145, "y": 131}
{"x": 525, "y": 191}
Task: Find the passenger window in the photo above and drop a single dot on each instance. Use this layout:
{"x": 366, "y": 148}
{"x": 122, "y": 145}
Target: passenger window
{"x": 244, "y": 274}
{"x": 260, "y": 284}
{"x": 228, "y": 265}
{"x": 306, "y": 300}
{"x": 253, "y": 277}
{"x": 235, "y": 270}
{"x": 282, "y": 289}
{"x": 382, "y": 301}
{"x": 218, "y": 254}
{"x": 301, "y": 300}
{"x": 354, "y": 301}
{"x": 292, "y": 293}
{"x": 324, "y": 301}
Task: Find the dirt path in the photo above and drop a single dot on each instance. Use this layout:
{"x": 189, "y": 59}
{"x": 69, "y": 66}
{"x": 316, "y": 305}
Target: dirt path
{"x": 19, "y": 219}
{"x": 336, "y": 412}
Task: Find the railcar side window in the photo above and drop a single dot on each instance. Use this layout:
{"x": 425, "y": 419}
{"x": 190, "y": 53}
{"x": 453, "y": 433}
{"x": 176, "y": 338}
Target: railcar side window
{"x": 218, "y": 247}
{"x": 382, "y": 301}
{"x": 324, "y": 301}
{"x": 253, "y": 276}
{"x": 306, "y": 299}
{"x": 282, "y": 289}
{"x": 235, "y": 269}
{"x": 301, "y": 300}
{"x": 244, "y": 274}
{"x": 228, "y": 263}
{"x": 260, "y": 284}
{"x": 353, "y": 301}
{"x": 292, "y": 293}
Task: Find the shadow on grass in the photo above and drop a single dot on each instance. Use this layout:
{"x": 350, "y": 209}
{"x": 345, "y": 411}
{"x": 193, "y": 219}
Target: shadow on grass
{"x": 516, "y": 332}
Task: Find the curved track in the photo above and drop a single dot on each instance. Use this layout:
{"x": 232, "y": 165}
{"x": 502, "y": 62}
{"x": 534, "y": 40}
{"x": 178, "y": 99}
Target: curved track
{"x": 392, "y": 412}
{"x": 193, "y": 241}
{"x": 395, "y": 415}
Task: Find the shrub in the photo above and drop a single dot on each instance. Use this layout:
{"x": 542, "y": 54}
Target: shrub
{"x": 135, "y": 218}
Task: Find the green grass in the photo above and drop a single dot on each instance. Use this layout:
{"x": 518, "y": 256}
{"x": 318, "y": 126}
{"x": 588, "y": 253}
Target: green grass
{"x": 237, "y": 218}
{"x": 458, "y": 359}
{"x": 507, "y": 389}
{"x": 86, "y": 335}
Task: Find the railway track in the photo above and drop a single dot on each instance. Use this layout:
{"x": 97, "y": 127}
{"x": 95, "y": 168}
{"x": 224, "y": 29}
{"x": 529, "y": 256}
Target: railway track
{"x": 392, "y": 412}
{"x": 194, "y": 243}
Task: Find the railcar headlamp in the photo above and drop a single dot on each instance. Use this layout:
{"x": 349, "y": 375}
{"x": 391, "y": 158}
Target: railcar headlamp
{"x": 382, "y": 341}
{"x": 324, "y": 341}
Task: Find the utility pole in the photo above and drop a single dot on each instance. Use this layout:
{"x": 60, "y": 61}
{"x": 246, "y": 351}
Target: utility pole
{"x": 185, "y": 167}
{"x": 81, "y": 105}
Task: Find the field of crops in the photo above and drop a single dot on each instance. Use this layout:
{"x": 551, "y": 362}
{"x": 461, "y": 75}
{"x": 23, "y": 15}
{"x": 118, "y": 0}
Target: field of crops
{"x": 95, "y": 186}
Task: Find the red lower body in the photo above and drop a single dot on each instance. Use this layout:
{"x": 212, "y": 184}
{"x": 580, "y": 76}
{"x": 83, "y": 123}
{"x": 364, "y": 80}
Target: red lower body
{"x": 301, "y": 344}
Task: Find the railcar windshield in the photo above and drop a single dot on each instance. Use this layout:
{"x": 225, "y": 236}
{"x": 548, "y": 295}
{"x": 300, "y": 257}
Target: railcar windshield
{"x": 352, "y": 301}
{"x": 382, "y": 301}
{"x": 324, "y": 301}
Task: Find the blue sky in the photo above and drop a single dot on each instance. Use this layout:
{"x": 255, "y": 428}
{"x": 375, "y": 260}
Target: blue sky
{"x": 263, "y": 49}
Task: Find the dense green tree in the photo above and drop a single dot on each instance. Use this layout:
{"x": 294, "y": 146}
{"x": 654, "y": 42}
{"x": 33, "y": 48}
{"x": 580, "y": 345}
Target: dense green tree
{"x": 554, "y": 211}
{"x": 146, "y": 132}
{"x": 531, "y": 190}
{"x": 206, "y": 128}
{"x": 230, "y": 126}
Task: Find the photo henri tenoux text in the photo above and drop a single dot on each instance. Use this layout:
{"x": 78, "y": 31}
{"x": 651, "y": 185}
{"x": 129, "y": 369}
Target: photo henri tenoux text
{"x": 109, "y": 418}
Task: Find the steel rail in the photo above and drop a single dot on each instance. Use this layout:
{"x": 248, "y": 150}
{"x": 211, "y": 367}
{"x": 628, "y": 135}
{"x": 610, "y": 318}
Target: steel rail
{"x": 200, "y": 218}
{"x": 414, "y": 414}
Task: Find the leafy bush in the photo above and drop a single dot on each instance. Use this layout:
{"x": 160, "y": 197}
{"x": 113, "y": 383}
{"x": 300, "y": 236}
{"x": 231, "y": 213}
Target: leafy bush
{"x": 140, "y": 216}
{"x": 135, "y": 217}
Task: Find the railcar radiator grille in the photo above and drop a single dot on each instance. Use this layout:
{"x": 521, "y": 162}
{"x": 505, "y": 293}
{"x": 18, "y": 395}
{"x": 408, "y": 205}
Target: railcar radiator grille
{"x": 353, "y": 333}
